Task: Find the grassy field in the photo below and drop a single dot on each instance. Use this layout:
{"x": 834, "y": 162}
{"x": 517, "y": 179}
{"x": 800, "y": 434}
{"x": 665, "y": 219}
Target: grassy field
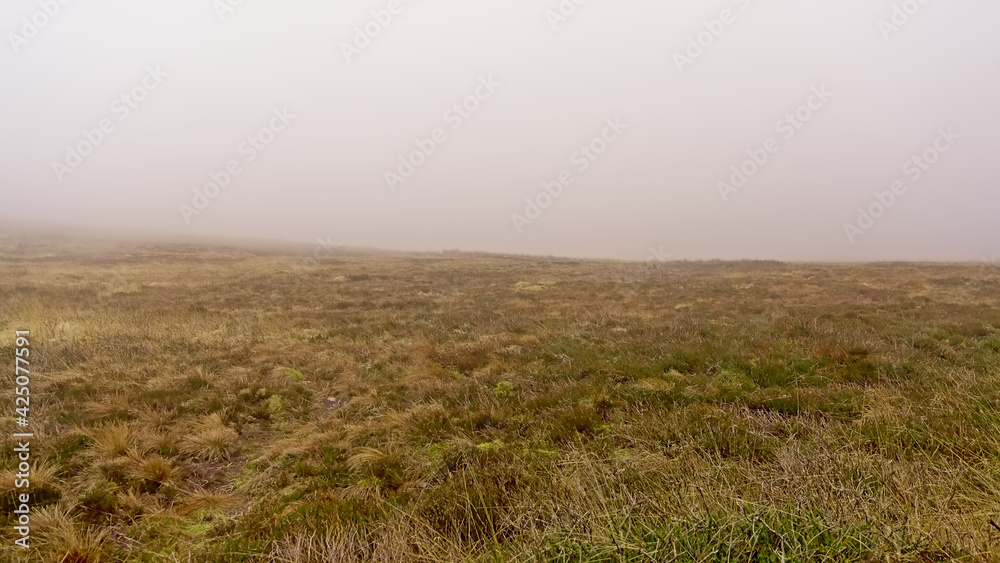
{"x": 220, "y": 405}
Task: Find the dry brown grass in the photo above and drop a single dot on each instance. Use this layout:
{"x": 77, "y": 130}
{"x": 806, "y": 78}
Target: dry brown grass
{"x": 189, "y": 406}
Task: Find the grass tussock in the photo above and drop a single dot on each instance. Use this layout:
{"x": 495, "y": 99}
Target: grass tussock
{"x": 224, "y": 406}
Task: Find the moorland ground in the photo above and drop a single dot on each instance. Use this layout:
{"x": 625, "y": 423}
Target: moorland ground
{"x": 225, "y": 405}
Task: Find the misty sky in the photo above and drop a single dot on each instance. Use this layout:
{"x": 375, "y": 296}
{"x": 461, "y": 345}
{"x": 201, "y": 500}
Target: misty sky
{"x": 645, "y": 106}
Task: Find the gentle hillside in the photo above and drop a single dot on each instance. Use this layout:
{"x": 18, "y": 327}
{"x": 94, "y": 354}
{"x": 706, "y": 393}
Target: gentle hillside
{"x": 210, "y": 405}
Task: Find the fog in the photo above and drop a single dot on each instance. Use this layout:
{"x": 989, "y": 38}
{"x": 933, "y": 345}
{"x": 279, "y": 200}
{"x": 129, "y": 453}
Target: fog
{"x": 787, "y": 129}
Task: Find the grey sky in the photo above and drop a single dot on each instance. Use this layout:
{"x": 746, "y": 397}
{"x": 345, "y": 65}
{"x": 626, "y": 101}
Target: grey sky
{"x": 324, "y": 174}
